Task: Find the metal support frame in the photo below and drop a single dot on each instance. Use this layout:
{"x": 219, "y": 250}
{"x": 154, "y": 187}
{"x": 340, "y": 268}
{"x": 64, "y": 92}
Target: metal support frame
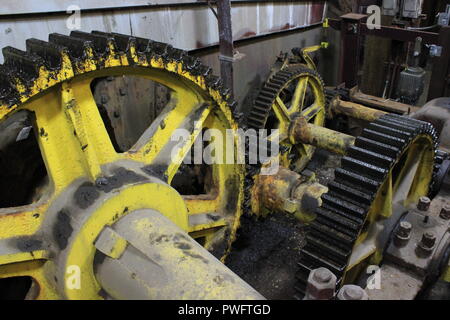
{"x": 350, "y": 48}
{"x": 225, "y": 43}
{"x": 352, "y": 28}
{"x": 440, "y": 77}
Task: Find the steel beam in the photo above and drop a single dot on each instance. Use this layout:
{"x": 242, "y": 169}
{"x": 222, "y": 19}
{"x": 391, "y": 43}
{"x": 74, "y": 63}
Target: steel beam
{"x": 225, "y": 43}
{"x": 440, "y": 77}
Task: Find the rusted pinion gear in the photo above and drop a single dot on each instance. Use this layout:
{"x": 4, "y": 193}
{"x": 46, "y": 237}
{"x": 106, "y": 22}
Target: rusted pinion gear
{"x": 339, "y": 221}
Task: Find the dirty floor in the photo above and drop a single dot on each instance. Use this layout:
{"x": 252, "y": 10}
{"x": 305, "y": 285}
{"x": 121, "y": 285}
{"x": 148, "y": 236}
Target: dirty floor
{"x": 267, "y": 250}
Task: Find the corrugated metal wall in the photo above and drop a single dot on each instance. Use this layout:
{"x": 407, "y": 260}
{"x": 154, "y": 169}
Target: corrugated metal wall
{"x": 185, "y": 24}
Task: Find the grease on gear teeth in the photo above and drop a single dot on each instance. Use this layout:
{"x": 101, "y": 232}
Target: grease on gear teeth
{"x": 85, "y": 52}
{"x": 332, "y": 235}
{"x": 257, "y": 116}
{"x": 260, "y": 110}
{"x": 43, "y": 65}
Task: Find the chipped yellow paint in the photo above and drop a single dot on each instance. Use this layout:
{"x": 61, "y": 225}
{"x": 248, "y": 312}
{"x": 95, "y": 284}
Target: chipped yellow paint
{"x": 15, "y": 223}
{"x": 23, "y": 256}
{"x": 66, "y": 115}
{"x": 165, "y": 200}
{"x": 34, "y": 269}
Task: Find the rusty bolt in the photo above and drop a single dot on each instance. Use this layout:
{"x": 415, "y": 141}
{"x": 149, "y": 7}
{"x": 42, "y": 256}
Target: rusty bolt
{"x": 424, "y": 204}
{"x": 402, "y": 235}
{"x": 352, "y": 292}
{"x": 445, "y": 212}
{"x": 321, "y": 285}
{"x": 322, "y": 275}
{"x": 426, "y": 245}
{"x": 428, "y": 239}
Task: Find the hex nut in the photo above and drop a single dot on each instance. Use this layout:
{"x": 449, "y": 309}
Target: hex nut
{"x": 352, "y": 292}
{"x": 428, "y": 240}
{"x": 426, "y": 245}
{"x": 403, "y": 234}
{"x": 445, "y": 212}
{"x": 424, "y": 204}
{"x": 321, "y": 285}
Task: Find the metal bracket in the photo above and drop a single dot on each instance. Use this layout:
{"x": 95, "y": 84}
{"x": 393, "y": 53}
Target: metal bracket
{"x": 435, "y": 50}
{"x": 236, "y": 57}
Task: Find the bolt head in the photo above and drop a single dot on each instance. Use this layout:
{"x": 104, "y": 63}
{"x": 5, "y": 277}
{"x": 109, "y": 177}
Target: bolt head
{"x": 321, "y": 284}
{"x": 352, "y": 292}
{"x": 404, "y": 229}
{"x": 424, "y": 204}
{"x": 445, "y": 212}
{"x": 402, "y": 235}
{"x": 428, "y": 240}
{"x": 322, "y": 275}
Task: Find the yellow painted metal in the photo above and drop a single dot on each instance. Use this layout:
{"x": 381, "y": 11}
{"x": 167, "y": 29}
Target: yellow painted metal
{"x": 303, "y": 132}
{"x": 354, "y": 110}
{"x": 306, "y": 51}
{"x": 42, "y": 289}
{"x": 197, "y": 274}
{"x": 446, "y": 274}
{"x": 74, "y": 143}
{"x": 81, "y": 252}
{"x": 287, "y": 191}
{"x": 406, "y": 182}
{"x": 314, "y": 113}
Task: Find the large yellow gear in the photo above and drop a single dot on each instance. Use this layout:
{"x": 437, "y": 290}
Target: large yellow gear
{"x": 91, "y": 185}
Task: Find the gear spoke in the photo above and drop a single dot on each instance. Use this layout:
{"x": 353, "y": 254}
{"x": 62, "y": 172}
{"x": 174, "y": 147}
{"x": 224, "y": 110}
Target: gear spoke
{"x": 92, "y": 184}
{"x": 54, "y": 128}
{"x": 298, "y": 99}
{"x": 160, "y": 146}
{"x": 283, "y": 97}
{"x": 281, "y": 110}
{"x": 310, "y": 112}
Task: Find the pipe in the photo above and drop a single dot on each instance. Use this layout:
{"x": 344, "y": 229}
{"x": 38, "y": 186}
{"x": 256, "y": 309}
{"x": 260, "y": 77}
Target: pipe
{"x": 303, "y": 132}
{"x": 146, "y": 256}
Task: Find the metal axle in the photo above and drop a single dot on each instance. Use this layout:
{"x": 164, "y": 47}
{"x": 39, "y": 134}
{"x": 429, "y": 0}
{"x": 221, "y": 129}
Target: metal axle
{"x": 146, "y": 256}
{"x": 354, "y": 110}
{"x": 303, "y": 132}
